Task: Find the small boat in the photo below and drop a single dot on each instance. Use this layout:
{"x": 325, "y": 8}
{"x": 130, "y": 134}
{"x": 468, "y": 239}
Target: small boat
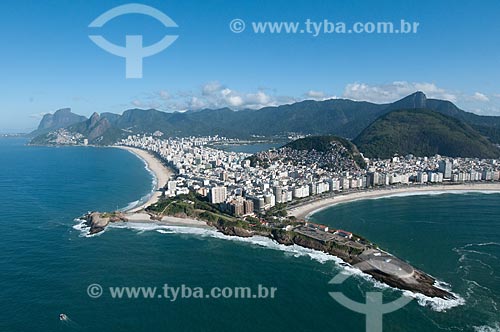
{"x": 63, "y": 317}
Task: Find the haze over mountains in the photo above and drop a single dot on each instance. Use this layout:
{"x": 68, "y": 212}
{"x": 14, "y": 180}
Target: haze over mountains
{"x": 60, "y": 119}
{"x": 341, "y": 117}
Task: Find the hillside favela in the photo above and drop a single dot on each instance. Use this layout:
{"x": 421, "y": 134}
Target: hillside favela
{"x": 267, "y": 167}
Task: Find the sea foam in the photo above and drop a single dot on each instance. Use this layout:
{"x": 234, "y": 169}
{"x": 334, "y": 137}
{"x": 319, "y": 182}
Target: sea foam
{"x": 154, "y": 183}
{"x": 83, "y": 228}
{"x": 132, "y": 205}
{"x": 486, "y": 328}
{"x": 435, "y": 303}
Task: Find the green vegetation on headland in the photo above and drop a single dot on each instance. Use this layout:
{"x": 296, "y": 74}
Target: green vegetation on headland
{"x": 196, "y": 206}
{"x": 423, "y": 133}
{"x": 279, "y": 210}
{"x": 287, "y": 231}
{"x": 97, "y": 221}
{"x": 274, "y": 224}
{"x": 191, "y": 205}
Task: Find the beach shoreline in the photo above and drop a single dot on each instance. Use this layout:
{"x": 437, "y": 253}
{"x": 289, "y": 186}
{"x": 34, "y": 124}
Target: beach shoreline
{"x": 308, "y": 209}
{"x": 160, "y": 172}
{"x": 142, "y": 217}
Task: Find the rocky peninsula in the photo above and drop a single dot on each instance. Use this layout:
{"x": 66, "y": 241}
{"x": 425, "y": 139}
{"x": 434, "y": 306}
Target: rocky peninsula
{"x": 97, "y": 221}
{"x": 353, "y": 250}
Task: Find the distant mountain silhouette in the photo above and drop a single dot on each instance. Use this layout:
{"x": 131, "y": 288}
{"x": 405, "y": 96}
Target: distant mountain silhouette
{"x": 60, "y": 119}
{"x": 341, "y": 117}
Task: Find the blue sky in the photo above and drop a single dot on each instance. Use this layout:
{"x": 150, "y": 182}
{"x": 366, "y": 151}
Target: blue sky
{"x": 48, "y": 62}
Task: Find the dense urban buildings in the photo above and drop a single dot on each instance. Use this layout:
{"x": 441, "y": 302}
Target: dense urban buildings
{"x": 243, "y": 185}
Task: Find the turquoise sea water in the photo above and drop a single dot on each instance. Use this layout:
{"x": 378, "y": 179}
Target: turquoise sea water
{"x": 46, "y": 264}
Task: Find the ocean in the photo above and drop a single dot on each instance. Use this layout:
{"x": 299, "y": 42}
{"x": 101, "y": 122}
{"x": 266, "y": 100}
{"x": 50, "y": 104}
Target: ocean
{"x": 47, "y": 264}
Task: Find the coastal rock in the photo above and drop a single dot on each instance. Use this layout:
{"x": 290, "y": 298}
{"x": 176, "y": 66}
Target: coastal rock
{"x": 97, "y": 221}
{"x": 418, "y": 281}
{"x": 234, "y": 231}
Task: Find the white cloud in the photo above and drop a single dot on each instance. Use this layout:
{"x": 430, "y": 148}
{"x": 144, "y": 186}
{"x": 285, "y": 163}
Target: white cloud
{"x": 259, "y": 98}
{"x": 386, "y": 93}
{"x": 486, "y": 110}
{"x": 318, "y": 95}
{"x": 315, "y": 94}
{"x": 137, "y": 103}
{"x": 217, "y": 95}
{"x": 210, "y": 95}
{"x": 211, "y": 87}
{"x": 196, "y": 103}
{"x": 231, "y": 98}
{"x": 164, "y": 94}
{"x": 480, "y": 97}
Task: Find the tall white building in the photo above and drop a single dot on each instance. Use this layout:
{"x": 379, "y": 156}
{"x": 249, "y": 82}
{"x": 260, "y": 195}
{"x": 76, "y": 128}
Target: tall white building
{"x": 218, "y": 195}
{"x": 279, "y": 194}
{"x": 301, "y": 191}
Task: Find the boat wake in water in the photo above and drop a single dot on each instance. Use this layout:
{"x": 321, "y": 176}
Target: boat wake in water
{"x": 67, "y": 321}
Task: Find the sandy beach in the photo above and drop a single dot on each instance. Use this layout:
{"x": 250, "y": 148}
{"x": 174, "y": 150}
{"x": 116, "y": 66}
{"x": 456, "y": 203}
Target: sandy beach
{"x": 307, "y": 209}
{"x": 161, "y": 173}
{"x": 142, "y": 217}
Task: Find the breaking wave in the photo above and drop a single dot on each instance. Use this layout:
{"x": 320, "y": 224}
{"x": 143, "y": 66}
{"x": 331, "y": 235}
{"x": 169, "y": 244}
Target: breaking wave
{"x": 486, "y": 328}
{"x": 436, "y": 304}
{"x": 82, "y": 227}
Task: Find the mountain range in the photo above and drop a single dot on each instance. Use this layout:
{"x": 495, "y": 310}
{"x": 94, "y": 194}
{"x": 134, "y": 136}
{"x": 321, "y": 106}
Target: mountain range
{"x": 423, "y": 132}
{"x": 60, "y": 119}
{"x": 341, "y": 117}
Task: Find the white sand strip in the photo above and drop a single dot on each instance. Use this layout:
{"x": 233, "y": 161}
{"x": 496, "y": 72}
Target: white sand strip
{"x": 303, "y": 211}
{"x": 161, "y": 173}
